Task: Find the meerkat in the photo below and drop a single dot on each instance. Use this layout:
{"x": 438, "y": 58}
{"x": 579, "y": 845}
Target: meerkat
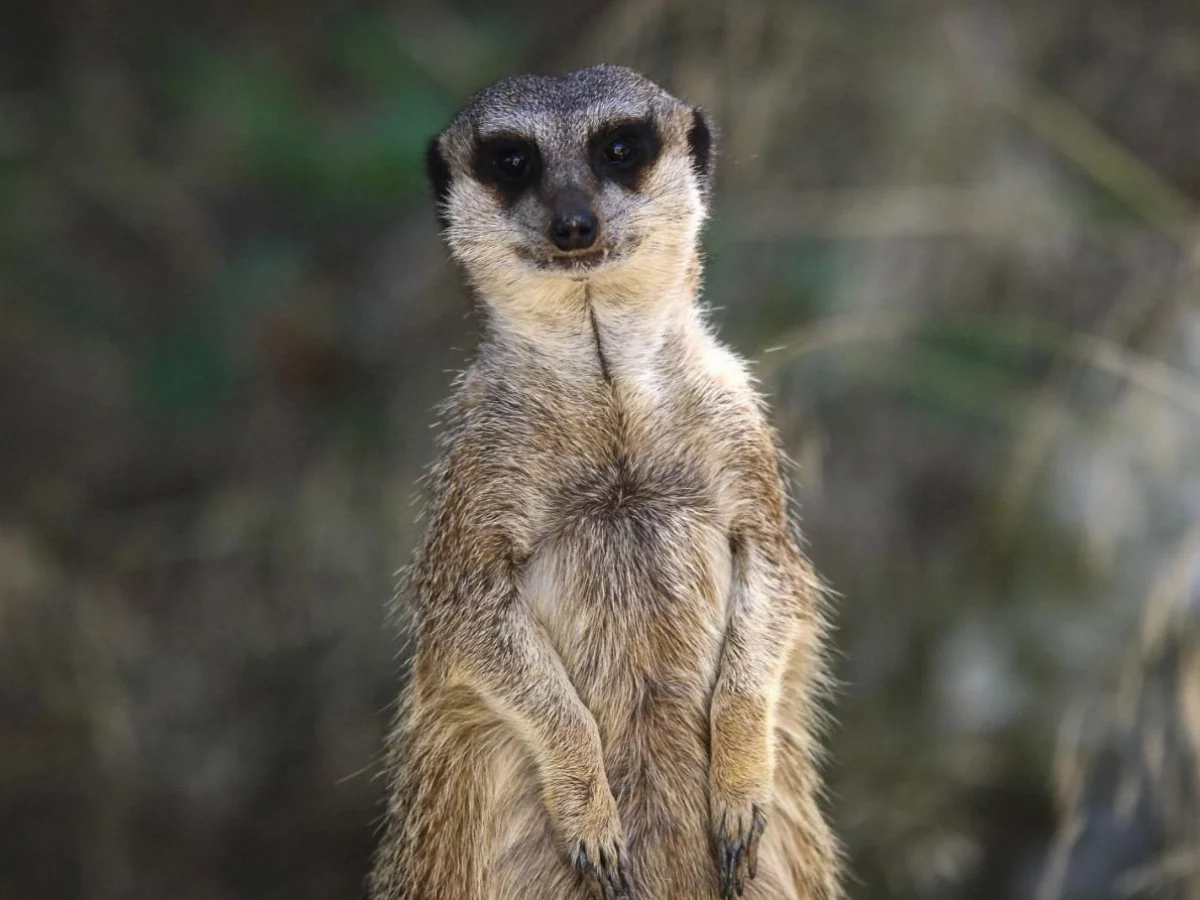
{"x": 618, "y": 667}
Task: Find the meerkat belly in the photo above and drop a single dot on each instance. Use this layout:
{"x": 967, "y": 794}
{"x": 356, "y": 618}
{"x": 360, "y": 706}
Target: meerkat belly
{"x": 632, "y": 585}
{"x": 631, "y": 589}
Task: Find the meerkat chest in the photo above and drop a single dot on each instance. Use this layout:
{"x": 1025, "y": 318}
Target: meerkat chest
{"x": 638, "y": 537}
{"x": 653, "y": 456}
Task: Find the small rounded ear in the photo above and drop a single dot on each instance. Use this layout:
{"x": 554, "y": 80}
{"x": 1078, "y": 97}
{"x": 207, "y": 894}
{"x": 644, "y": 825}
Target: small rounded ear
{"x": 702, "y": 146}
{"x": 438, "y": 171}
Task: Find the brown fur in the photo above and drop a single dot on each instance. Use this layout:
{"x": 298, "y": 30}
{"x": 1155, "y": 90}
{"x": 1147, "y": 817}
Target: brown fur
{"x": 618, "y": 667}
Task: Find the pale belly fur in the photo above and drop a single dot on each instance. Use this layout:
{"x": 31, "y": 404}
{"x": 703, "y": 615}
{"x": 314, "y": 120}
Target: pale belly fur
{"x": 632, "y": 597}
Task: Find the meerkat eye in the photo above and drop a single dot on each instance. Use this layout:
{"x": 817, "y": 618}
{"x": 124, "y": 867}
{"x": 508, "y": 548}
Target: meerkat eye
{"x": 622, "y": 150}
{"x": 511, "y": 163}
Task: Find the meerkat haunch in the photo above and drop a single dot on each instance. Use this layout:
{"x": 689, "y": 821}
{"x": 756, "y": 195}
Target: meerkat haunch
{"x": 618, "y": 666}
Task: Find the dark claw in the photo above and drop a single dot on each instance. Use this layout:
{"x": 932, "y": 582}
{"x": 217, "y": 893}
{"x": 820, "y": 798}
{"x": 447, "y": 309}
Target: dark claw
{"x": 733, "y": 876}
{"x": 608, "y": 870}
{"x": 737, "y": 853}
{"x": 756, "y": 830}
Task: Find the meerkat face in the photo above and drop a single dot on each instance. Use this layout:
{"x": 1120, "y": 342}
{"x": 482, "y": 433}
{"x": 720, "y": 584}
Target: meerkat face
{"x": 571, "y": 176}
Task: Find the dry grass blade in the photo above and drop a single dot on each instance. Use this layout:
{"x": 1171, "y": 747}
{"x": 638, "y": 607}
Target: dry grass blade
{"x": 1171, "y": 869}
{"x": 1166, "y": 607}
{"x": 987, "y": 64}
{"x": 1111, "y": 165}
{"x": 907, "y": 211}
{"x": 1070, "y": 779}
{"x": 1153, "y": 376}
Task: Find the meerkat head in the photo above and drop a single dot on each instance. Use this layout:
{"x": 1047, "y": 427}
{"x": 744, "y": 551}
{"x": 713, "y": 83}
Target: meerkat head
{"x": 572, "y": 178}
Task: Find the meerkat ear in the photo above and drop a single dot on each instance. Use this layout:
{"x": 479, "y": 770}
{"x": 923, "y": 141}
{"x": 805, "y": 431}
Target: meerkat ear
{"x": 702, "y": 146}
{"x": 438, "y": 171}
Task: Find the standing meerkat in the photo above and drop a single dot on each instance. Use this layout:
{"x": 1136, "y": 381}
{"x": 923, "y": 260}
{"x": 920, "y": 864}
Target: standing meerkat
{"x": 619, "y": 645}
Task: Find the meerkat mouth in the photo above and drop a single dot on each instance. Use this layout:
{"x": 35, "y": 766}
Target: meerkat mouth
{"x": 579, "y": 261}
{"x": 577, "y": 265}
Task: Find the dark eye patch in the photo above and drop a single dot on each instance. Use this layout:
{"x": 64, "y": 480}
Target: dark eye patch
{"x": 510, "y": 164}
{"x": 700, "y": 142}
{"x": 623, "y": 152}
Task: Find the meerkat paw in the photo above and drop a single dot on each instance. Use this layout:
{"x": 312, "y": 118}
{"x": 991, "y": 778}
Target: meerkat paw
{"x": 740, "y": 785}
{"x": 596, "y": 846}
{"x": 737, "y": 827}
{"x": 605, "y": 865}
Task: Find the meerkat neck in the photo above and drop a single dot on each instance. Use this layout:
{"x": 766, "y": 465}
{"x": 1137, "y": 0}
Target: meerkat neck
{"x": 610, "y": 326}
{"x": 629, "y": 336}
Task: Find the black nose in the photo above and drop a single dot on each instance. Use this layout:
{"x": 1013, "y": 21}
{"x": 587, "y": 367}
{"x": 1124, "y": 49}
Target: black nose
{"x": 574, "y": 230}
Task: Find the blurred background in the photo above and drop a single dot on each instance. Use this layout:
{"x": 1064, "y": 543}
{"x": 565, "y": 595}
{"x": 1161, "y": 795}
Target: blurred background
{"x": 959, "y": 241}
